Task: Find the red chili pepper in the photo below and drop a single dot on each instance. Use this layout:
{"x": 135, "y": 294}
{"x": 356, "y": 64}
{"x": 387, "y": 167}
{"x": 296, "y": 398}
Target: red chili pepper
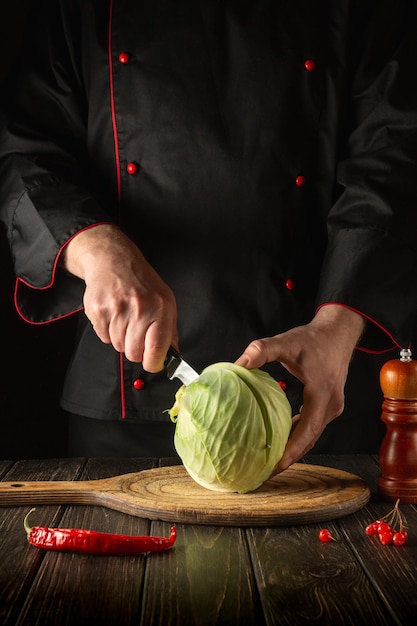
{"x": 93, "y": 542}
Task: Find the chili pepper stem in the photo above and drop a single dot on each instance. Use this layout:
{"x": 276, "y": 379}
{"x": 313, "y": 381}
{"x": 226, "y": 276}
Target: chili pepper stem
{"x": 26, "y": 523}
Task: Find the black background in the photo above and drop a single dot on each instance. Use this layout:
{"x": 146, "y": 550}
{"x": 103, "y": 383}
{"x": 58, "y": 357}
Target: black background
{"x": 33, "y": 358}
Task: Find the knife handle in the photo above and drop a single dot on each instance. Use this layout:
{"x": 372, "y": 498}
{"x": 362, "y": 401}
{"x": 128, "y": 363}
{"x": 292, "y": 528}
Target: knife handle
{"x": 172, "y": 360}
{"x": 173, "y": 354}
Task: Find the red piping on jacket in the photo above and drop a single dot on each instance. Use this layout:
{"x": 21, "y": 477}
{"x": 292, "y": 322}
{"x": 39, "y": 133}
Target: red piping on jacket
{"x": 373, "y": 322}
{"x": 26, "y": 319}
{"x": 113, "y": 112}
{"x": 117, "y": 159}
{"x": 20, "y": 280}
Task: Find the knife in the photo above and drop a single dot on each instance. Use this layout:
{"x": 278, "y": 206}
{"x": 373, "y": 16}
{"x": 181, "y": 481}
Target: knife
{"x": 176, "y": 367}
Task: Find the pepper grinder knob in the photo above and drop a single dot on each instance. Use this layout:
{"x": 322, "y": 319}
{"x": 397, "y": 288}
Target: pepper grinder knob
{"x": 398, "y": 452}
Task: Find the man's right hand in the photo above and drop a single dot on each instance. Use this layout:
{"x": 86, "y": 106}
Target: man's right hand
{"x": 127, "y": 302}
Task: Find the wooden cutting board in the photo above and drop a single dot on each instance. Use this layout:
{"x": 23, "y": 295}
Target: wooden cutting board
{"x": 302, "y": 494}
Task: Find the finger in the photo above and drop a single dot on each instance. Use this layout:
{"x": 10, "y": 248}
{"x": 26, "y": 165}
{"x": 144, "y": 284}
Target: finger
{"x": 117, "y": 334}
{"x": 308, "y": 426}
{"x": 295, "y": 419}
{"x": 134, "y": 342}
{"x": 256, "y": 354}
{"x": 159, "y": 337}
{"x": 101, "y": 328}
{"x": 292, "y": 454}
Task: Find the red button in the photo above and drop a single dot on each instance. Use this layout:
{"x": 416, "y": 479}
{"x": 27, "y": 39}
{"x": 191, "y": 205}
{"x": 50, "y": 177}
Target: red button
{"x": 131, "y": 168}
{"x": 310, "y": 65}
{"x": 300, "y": 181}
{"x": 124, "y": 57}
{"x": 282, "y": 384}
{"x": 138, "y": 383}
{"x": 290, "y": 284}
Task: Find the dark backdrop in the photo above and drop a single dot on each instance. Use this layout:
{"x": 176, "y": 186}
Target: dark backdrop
{"x": 33, "y": 358}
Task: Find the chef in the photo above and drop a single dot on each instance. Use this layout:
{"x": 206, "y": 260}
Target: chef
{"x": 234, "y": 178}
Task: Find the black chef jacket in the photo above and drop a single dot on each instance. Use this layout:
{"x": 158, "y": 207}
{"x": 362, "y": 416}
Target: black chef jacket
{"x": 261, "y": 153}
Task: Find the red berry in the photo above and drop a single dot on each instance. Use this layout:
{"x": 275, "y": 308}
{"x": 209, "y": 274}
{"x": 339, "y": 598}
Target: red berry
{"x": 325, "y": 535}
{"x": 386, "y": 537}
{"x": 399, "y": 538}
{"x": 372, "y": 529}
{"x": 382, "y": 527}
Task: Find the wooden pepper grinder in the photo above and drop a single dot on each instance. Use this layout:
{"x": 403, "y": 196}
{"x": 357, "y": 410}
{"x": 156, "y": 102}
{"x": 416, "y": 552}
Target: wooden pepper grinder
{"x": 398, "y": 452}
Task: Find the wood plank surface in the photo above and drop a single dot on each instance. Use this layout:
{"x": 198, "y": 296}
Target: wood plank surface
{"x": 74, "y": 589}
{"x": 19, "y": 563}
{"x": 206, "y": 580}
{"x": 307, "y": 582}
{"x": 392, "y": 570}
{"x": 191, "y": 580}
{"x": 214, "y": 575}
{"x": 4, "y": 467}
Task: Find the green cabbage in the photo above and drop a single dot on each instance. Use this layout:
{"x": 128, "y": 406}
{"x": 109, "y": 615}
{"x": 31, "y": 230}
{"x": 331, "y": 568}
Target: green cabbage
{"x": 232, "y": 425}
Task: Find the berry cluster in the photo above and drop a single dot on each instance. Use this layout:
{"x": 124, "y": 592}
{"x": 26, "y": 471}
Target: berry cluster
{"x": 390, "y": 528}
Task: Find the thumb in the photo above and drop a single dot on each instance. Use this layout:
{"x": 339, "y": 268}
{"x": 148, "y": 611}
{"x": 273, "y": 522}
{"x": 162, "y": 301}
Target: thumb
{"x": 259, "y": 352}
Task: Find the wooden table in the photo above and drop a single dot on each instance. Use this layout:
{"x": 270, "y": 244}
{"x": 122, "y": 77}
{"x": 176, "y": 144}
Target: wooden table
{"x": 213, "y": 575}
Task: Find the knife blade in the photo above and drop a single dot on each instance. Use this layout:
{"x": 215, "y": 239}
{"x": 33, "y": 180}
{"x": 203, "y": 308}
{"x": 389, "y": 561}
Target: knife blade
{"x": 176, "y": 367}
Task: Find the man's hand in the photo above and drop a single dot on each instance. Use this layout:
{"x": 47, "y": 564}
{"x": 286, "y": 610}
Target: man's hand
{"x": 318, "y": 354}
{"x": 127, "y": 302}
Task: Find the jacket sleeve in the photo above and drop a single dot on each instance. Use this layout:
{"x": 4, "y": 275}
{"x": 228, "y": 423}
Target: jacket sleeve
{"x": 371, "y": 260}
{"x": 45, "y": 198}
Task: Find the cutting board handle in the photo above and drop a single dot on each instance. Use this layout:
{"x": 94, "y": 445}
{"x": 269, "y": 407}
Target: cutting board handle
{"x": 19, "y": 493}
